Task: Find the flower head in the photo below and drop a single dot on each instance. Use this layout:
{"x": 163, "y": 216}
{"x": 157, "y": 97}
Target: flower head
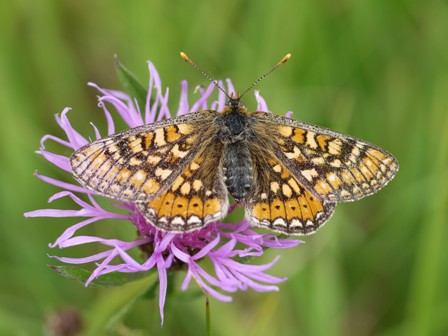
{"x": 223, "y": 244}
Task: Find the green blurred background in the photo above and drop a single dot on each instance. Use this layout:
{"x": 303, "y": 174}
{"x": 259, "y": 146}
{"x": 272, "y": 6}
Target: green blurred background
{"x": 376, "y": 69}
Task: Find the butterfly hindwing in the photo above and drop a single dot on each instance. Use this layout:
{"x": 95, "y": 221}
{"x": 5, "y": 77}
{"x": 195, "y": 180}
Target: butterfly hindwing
{"x": 195, "y": 198}
{"x": 280, "y": 202}
{"x": 140, "y": 163}
{"x": 331, "y": 165}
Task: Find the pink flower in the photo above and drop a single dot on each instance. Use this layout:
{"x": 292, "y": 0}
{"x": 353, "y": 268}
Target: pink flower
{"x": 224, "y": 244}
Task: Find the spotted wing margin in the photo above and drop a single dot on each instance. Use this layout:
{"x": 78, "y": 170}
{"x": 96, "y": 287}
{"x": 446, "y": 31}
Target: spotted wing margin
{"x": 333, "y": 166}
{"x": 196, "y": 198}
{"x": 279, "y": 202}
{"x": 140, "y": 163}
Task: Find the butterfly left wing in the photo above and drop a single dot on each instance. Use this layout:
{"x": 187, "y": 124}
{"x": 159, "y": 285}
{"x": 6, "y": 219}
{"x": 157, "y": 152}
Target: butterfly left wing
{"x": 278, "y": 201}
{"x": 333, "y": 166}
{"x": 196, "y": 198}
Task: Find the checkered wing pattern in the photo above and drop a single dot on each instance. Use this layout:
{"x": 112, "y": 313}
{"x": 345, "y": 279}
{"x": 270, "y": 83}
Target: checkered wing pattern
{"x": 197, "y": 196}
{"x": 332, "y": 166}
{"x": 281, "y": 203}
{"x": 140, "y": 163}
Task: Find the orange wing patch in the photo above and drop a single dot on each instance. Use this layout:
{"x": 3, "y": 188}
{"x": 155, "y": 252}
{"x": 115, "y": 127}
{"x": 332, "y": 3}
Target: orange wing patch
{"x": 196, "y": 198}
{"x": 281, "y": 203}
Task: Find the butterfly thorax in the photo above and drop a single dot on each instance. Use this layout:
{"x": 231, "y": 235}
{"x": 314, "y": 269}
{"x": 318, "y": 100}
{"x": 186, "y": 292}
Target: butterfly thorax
{"x": 234, "y": 133}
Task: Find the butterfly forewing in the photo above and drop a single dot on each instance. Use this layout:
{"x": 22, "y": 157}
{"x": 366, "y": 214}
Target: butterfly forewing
{"x": 196, "y": 197}
{"x": 142, "y": 162}
{"x": 333, "y": 166}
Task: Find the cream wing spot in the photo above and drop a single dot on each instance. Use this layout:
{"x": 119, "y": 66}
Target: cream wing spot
{"x": 310, "y": 139}
{"x": 153, "y": 159}
{"x": 285, "y": 131}
{"x": 177, "y": 152}
{"x": 184, "y": 129}
{"x": 277, "y": 168}
{"x": 318, "y": 160}
{"x": 275, "y": 187}
{"x": 159, "y": 137}
{"x": 286, "y": 190}
{"x": 163, "y": 173}
{"x": 197, "y": 185}
{"x": 135, "y": 162}
{"x": 336, "y": 163}
{"x": 185, "y": 189}
{"x": 296, "y": 153}
{"x": 293, "y": 184}
{"x": 194, "y": 166}
{"x": 310, "y": 174}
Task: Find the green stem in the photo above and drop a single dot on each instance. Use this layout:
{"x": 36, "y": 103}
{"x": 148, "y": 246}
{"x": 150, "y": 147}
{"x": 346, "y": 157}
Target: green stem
{"x": 207, "y": 316}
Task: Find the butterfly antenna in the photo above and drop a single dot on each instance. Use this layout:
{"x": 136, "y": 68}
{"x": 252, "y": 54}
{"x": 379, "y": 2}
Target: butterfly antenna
{"x": 206, "y": 75}
{"x": 282, "y": 61}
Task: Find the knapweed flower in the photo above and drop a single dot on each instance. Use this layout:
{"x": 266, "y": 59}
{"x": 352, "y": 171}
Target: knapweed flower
{"x": 225, "y": 245}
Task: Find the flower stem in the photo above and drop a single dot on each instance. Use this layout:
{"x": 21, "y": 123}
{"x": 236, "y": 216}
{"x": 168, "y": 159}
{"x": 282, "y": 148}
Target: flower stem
{"x": 207, "y": 316}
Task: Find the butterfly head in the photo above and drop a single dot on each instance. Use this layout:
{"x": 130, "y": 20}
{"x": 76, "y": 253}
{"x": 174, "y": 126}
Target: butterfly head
{"x": 234, "y": 103}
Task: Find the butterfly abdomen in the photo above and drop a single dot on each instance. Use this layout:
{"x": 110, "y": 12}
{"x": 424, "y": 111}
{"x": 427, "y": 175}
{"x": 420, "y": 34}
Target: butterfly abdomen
{"x": 237, "y": 169}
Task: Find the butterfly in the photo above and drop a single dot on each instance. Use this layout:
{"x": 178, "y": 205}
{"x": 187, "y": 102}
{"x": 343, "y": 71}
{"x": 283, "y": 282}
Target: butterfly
{"x": 180, "y": 172}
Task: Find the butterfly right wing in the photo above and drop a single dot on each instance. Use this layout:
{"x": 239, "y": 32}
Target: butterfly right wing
{"x": 140, "y": 163}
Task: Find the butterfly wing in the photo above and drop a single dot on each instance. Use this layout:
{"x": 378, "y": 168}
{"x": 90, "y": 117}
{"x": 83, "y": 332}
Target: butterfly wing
{"x": 140, "y": 163}
{"x": 333, "y": 166}
{"x": 196, "y": 197}
{"x": 279, "y": 202}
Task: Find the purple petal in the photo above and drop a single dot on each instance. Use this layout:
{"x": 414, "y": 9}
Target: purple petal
{"x": 59, "y": 161}
{"x": 262, "y": 106}
{"x": 180, "y": 255}
{"x": 248, "y": 268}
{"x": 187, "y": 280}
{"x": 202, "y": 101}
{"x": 85, "y": 260}
{"x": 247, "y": 282}
{"x": 206, "y": 249}
{"x": 164, "y": 112}
{"x": 227, "y": 286}
{"x": 76, "y": 140}
{"x": 55, "y": 213}
{"x": 163, "y": 284}
{"x": 98, "y": 271}
{"x": 127, "y": 112}
{"x": 68, "y": 233}
{"x": 97, "y": 133}
{"x": 212, "y": 292}
{"x": 63, "y": 185}
{"x": 183, "y": 101}
{"x": 166, "y": 240}
{"x": 230, "y": 89}
{"x": 55, "y": 139}
{"x": 225, "y": 249}
{"x": 110, "y": 121}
